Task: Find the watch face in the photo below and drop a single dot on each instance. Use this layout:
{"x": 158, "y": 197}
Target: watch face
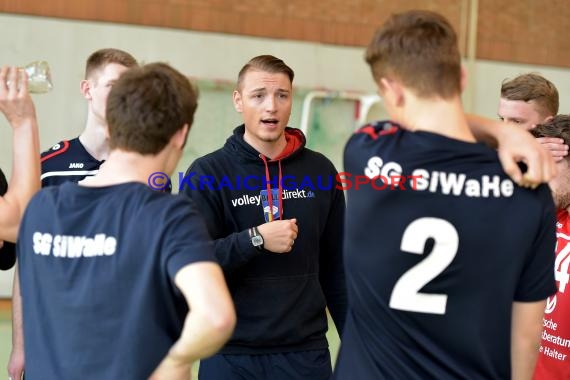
{"x": 257, "y": 241}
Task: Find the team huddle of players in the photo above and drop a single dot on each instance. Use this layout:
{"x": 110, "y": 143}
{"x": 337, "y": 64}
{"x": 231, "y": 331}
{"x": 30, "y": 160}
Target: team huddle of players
{"x": 450, "y": 278}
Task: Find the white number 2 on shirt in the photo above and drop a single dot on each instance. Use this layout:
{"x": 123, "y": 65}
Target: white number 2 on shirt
{"x": 406, "y": 293}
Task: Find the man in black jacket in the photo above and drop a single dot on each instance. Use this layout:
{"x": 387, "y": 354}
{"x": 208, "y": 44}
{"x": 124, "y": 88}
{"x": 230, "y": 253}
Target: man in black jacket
{"x": 277, "y": 219}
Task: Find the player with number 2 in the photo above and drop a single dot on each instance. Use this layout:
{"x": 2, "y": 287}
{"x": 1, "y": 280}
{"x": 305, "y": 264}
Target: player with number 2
{"x": 447, "y": 275}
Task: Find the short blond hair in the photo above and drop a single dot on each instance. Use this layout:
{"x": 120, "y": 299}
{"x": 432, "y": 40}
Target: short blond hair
{"x": 101, "y": 58}
{"x": 532, "y": 87}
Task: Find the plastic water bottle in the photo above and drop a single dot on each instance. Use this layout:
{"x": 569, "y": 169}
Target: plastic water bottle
{"x": 39, "y": 77}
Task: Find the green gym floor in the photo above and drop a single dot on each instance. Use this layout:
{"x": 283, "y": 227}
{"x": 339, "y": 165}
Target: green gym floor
{"x": 6, "y": 338}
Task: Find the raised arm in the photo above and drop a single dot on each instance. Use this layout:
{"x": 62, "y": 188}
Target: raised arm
{"x": 525, "y": 338}
{"x": 209, "y": 323}
{"x": 17, "y": 106}
{"x": 515, "y": 145}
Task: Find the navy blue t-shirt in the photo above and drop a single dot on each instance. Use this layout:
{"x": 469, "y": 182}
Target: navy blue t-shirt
{"x": 434, "y": 264}
{"x": 96, "y": 275}
{"x": 67, "y": 161}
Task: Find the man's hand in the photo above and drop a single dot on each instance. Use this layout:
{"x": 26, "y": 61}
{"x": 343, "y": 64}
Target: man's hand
{"x": 16, "y": 363}
{"x": 519, "y": 145}
{"x": 279, "y": 235}
{"x": 171, "y": 368}
{"x": 15, "y": 101}
{"x": 555, "y": 146}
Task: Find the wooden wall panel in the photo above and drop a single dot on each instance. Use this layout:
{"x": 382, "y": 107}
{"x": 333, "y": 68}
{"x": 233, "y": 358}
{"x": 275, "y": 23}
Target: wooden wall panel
{"x": 525, "y": 31}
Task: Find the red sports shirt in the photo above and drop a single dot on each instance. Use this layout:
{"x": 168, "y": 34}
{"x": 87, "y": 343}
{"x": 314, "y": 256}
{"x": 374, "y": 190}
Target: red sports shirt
{"x": 554, "y": 357}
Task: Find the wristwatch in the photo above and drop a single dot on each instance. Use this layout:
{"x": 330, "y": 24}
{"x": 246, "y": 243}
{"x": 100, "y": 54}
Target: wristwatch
{"x": 256, "y": 238}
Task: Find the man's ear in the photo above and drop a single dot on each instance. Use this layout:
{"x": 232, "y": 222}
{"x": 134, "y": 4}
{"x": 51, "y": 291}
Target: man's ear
{"x": 85, "y": 88}
{"x": 179, "y": 138}
{"x": 463, "y": 80}
{"x": 238, "y": 101}
{"x": 392, "y": 91}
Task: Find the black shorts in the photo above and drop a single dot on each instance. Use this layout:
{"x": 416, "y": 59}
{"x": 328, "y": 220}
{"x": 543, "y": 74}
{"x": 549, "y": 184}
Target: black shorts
{"x": 304, "y": 365}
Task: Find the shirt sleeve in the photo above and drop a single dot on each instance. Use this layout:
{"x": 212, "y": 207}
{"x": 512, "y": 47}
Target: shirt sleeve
{"x": 537, "y": 278}
{"x": 186, "y": 240}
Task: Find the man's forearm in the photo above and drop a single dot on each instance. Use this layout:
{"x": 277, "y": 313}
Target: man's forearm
{"x": 525, "y": 338}
{"x": 234, "y": 251}
{"x": 202, "y": 336}
{"x": 17, "y": 321}
{"x": 25, "y": 178}
{"x": 17, "y": 358}
{"x": 484, "y": 130}
{"x": 211, "y": 319}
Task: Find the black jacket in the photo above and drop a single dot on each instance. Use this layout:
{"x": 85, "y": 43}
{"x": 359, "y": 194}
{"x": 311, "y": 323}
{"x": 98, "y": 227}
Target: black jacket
{"x": 280, "y": 299}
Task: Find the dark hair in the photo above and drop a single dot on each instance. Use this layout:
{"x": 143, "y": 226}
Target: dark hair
{"x": 147, "y": 106}
{"x": 3, "y": 183}
{"x": 532, "y": 86}
{"x": 267, "y": 63}
{"x": 99, "y": 59}
{"x": 419, "y": 48}
{"x": 558, "y": 127}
